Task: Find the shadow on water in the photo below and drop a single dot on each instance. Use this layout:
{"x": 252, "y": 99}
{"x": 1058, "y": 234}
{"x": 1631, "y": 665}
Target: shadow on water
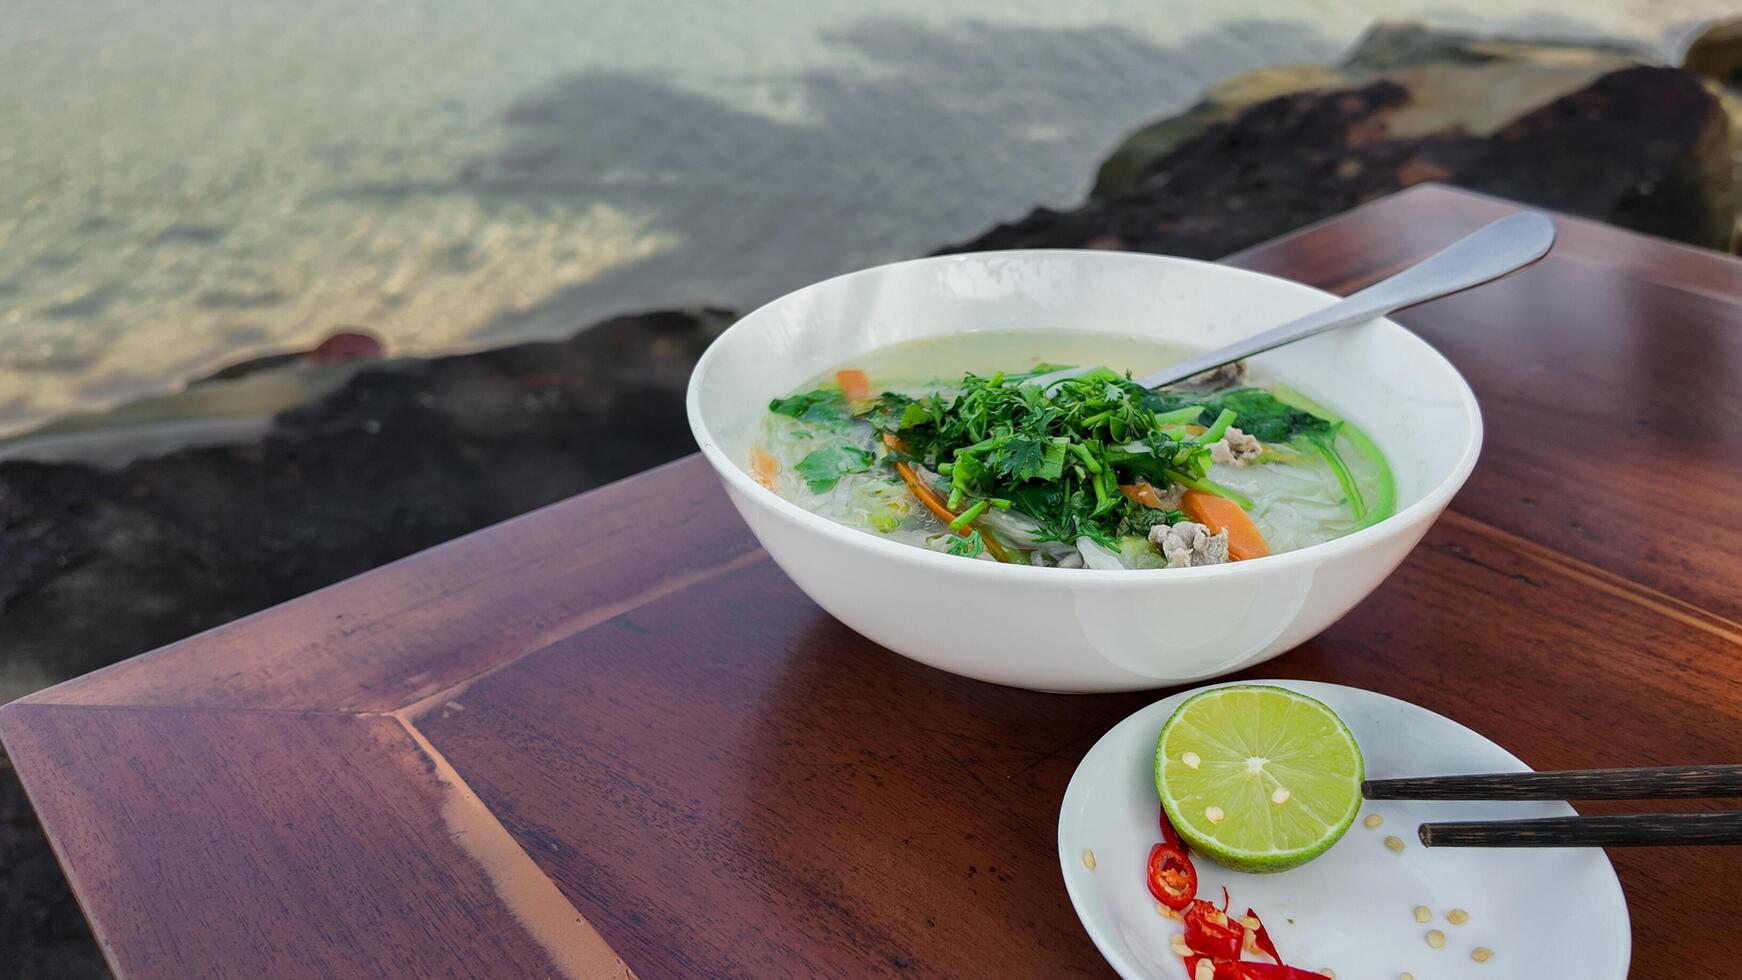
{"x": 754, "y": 204}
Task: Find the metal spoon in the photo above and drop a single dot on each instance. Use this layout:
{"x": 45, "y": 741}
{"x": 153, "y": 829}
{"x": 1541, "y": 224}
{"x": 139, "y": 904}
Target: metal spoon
{"x": 1507, "y": 245}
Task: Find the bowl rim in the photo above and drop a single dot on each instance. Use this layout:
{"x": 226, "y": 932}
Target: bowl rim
{"x": 1430, "y": 504}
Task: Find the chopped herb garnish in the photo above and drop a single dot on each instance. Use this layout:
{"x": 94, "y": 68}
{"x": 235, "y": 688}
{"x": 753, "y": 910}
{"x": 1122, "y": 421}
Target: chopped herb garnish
{"x": 969, "y": 546}
{"x": 1058, "y": 455}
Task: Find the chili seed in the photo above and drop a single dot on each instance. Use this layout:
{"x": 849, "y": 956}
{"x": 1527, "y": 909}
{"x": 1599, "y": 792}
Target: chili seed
{"x": 1395, "y": 843}
{"x": 1089, "y": 860}
{"x": 1436, "y": 938}
{"x": 1481, "y": 954}
{"x": 1206, "y": 970}
{"x": 1457, "y": 917}
{"x": 1406, "y": 975}
{"x": 1179, "y": 946}
{"x": 1422, "y": 914}
{"x": 1373, "y": 820}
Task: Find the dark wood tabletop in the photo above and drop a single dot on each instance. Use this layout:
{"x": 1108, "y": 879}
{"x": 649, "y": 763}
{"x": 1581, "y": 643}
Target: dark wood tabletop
{"x": 611, "y": 736}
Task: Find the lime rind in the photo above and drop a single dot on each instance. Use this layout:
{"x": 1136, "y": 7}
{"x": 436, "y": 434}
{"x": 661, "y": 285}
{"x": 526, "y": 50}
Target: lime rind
{"x": 1305, "y": 748}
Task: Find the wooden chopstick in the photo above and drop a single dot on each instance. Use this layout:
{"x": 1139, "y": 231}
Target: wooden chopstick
{"x": 1615, "y": 830}
{"x": 1651, "y": 783}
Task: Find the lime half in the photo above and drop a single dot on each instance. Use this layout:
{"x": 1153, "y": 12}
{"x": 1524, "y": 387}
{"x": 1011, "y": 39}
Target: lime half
{"x": 1258, "y": 778}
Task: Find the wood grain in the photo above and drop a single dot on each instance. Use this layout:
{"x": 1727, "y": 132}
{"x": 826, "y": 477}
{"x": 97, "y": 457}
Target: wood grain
{"x": 812, "y": 753}
{"x": 272, "y": 844}
{"x": 646, "y": 725}
{"x": 1723, "y": 781}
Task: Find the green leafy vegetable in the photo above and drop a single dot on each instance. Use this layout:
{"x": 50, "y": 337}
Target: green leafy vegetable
{"x": 1283, "y": 416}
{"x": 1385, "y": 503}
{"x": 824, "y": 467}
{"x": 1218, "y": 428}
{"x": 1258, "y": 412}
{"x": 822, "y": 405}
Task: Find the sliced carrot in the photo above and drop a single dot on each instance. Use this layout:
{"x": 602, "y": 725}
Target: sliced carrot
{"x": 763, "y": 467}
{"x": 1221, "y": 514}
{"x": 932, "y": 501}
{"x": 1143, "y": 493}
{"x": 854, "y": 384}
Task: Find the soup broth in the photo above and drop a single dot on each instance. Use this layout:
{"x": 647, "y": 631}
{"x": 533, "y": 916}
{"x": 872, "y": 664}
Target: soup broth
{"x": 944, "y": 444}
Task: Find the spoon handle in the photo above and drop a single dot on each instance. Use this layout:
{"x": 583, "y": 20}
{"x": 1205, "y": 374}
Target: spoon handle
{"x": 1507, "y": 245}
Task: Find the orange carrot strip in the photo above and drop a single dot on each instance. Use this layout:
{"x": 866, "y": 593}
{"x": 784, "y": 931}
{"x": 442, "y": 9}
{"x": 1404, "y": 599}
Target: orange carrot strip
{"x": 854, "y": 384}
{"x": 1221, "y": 514}
{"x": 932, "y": 501}
{"x": 763, "y": 466}
{"x": 1143, "y": 493}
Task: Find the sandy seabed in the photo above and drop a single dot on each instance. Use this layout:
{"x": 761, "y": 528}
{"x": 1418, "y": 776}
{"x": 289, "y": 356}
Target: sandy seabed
{"x": 186, "y": 183}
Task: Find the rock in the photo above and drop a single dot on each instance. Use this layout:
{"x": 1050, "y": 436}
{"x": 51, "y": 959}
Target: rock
{"x": 340, "y": 347}
{"x": 1455, "y": 80}
{"x": 1716, "y": 54}
{"x": 1641, "y": 147}
{"x": 233, "y": 404}
{"x": 1389, "y": 45}
{"x": 404, "y": 455}
{"x": 1222, "y": 102}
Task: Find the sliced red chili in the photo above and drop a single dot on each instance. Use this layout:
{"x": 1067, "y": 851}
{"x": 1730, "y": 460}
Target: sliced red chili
{"x": 1231, "y": 970}
{"x": 1173, "y": 880}
{"x": 1261, "y": 937}
{"x": 1170, "y": 836}
{"x": 1209, "y": 932}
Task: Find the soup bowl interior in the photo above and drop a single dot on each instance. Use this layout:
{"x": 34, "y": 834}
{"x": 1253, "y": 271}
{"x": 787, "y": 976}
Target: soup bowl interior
{"x": 1081, "y": 630}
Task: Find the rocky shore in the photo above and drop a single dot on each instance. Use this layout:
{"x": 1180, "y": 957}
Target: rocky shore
{"x": 112, "y": 543}
{"x": 1593, "y": 131}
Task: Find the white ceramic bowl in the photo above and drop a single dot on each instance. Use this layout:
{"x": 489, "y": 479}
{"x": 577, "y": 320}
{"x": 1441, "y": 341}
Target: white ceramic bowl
{"x": 1078, "y": 630}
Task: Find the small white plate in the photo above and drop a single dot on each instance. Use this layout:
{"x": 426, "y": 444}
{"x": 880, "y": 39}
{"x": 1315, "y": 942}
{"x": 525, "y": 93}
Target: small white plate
{"x": 1544, "y": 912}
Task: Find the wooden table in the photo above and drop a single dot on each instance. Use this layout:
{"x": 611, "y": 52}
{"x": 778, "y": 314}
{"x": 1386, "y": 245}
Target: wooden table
{"x": 611, "y": 732}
